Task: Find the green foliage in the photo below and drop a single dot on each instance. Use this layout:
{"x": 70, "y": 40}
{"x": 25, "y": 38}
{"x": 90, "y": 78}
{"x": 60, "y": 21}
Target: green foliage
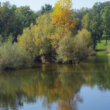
{"x": 26, "y": 41}
{"x": 106, "y": 19}
{"x": 46, "y": 8}
{"x": 84, "y": 37}
{"x": 12, "y": 57}
{"x": 101, "y": 45}
{"x": 44, "y": 30}
{"x": 74, "y": 49}
{"x": 78, "y": 14}
{"x": 53, "y": 36}
{"x": 96, "y": 22}
{"x": 14, "y": 19}
{"x": 86, "y": 21}
{"x": 108, "y": 48}
{"x": 47, "y": 42}
{"x": 66, "y": 48}
{"x": 82, "y": 47}
{"x": 36, "y": 39}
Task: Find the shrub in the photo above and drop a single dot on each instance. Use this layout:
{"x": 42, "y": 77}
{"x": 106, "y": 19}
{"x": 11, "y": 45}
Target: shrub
{"x": 74, "y": 49}
{"x": 12, "y": 57}
{"x": 27, "y": 41}
{"x": 66, "y": 48}
{"x": 82, "y": 47}
{"x": 84, "y": 37}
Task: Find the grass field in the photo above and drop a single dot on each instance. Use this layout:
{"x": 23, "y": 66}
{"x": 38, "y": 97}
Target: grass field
{"x": 101, "y": 47}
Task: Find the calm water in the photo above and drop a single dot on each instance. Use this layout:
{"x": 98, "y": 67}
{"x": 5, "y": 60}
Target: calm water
{"x": 58, "y": 87}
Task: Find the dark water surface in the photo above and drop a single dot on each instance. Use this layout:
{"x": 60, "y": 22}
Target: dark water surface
{"x": 85, "y": 86}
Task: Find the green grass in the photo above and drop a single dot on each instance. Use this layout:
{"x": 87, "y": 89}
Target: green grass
{"x": 101, "y": 53}
{"x": 101, "y": 46}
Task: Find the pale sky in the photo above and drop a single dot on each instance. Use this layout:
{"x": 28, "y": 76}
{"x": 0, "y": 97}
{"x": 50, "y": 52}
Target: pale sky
{"x": 36, "y": 4}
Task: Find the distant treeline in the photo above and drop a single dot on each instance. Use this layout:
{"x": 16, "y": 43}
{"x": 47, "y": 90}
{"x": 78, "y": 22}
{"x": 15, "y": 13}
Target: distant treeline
{"x": 14, "y": 19}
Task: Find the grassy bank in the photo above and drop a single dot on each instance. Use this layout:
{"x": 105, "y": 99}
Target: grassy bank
{"x": 101, "y": 48}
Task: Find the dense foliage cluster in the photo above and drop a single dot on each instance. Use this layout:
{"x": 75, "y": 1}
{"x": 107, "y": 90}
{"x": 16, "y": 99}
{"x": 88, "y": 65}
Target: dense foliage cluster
{"x": 11, "y": 56}
{"x": 14, "y": 19}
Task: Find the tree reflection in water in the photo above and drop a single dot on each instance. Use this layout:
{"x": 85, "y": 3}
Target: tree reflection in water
{"x": 71, "y": 104}
{"x": 52, "y": 83}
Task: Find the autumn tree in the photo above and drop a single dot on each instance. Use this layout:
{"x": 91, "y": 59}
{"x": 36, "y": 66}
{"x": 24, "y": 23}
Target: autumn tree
{"x": 57, "y": 36}
{"x": 36, "y": 39}
{"x": 62, "y": 15}
{"x": 42, "y": 37}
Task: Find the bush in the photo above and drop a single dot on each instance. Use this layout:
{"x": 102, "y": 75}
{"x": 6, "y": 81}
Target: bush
{"x": 66, "y": 48}
{"x": 82, "y": 47}
{"x": 84, "y": 38}
{"x": 12, "y": 57}
{"x": 27, "y": 41}
{"x": 74, "y": 49}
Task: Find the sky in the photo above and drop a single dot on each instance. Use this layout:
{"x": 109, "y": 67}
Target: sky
{"x": 36, "y": 4}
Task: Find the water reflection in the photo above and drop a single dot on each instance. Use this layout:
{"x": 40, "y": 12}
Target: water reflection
{"x": 60, "y": 84}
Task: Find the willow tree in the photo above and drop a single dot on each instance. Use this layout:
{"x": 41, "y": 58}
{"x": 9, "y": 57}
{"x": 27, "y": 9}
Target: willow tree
{"x": 62, "y": 15}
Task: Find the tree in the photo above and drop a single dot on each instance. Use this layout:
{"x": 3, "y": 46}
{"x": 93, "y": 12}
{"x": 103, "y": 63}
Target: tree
{"x": 96, "y": 30}
{"x": 36, "y": 39}
{"x": 13, "y": 20}
{"x": 57, "y": 36}
{"x": 106, "y": 21}
{"x": 26, "y": 41}
{"x": 82, "y": 46}
{"x": 96, "y": 25}
{"x": 78, "y": 14}
{"x": 24, "y": 17}
{"x": 74, "y": 49}
{"x": 66, "y": 48}
{"x": 44, "y": 30}
{"x": 86, "y": 21}
{"x": 7, "y": 19}
{"x": 84, "y": 37}
{"x": 62, "y": 15}
{"x": 46, "y": 8}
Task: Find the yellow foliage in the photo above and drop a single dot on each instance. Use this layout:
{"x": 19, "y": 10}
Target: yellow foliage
{"x": 56, "y": 37}
{"x": 62, "y": 15}
{"x": 64, "y": 3}
{"x": 27, "y": 40}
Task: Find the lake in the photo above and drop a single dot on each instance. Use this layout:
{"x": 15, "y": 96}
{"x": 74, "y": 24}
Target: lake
{"x": 85, "y": 86}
